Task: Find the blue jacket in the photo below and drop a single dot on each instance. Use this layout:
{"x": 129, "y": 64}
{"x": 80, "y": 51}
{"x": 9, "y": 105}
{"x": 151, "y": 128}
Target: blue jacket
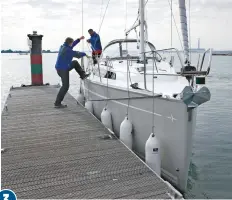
{"x": 95, "y": 42}
{"x": 66, "y": 55}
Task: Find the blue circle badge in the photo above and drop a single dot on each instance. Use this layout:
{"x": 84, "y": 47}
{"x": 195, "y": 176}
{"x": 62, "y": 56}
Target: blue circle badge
{"x": 7, "y": 195}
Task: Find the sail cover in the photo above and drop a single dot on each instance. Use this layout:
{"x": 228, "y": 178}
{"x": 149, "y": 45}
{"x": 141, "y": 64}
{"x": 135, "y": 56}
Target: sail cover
{"x": 184, "y": 28}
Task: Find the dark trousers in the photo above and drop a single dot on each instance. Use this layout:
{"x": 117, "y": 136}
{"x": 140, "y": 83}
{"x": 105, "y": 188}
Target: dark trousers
{"x": 94, "y": 56}
{"x": 64, "y": 75}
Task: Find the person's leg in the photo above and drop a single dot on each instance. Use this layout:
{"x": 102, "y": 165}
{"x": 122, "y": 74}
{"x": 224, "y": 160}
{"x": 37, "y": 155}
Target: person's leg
{"x": 94, "y": 58}
{"x": 64, "y": 75}
{"x": 99, "y": 55}
{"x": 75, "y": 65}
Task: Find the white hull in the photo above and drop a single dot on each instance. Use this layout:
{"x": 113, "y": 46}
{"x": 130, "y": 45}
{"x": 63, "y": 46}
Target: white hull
{"x": 174, "y": 125}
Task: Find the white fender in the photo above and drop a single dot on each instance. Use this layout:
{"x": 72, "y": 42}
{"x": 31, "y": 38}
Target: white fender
{"x": 89, "y": 106}
{"x": 152, "y": 153}
{"x": 81, "y": 98}
{"x": 106, "y": 118}
{"x": 125, "y": 132}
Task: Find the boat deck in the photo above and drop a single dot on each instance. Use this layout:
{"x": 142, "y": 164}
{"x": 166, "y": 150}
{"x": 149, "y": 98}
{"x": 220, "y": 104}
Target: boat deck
{"x": 66, "y": 153}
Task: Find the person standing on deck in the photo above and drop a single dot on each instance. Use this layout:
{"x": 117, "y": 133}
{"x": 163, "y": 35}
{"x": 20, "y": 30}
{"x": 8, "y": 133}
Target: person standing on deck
{"x": 95, "y": 42}
{"x": 64, "y": 64}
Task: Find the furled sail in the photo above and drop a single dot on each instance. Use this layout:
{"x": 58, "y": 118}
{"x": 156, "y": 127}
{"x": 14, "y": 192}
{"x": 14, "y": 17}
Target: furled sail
{"x": 184, "y": 28}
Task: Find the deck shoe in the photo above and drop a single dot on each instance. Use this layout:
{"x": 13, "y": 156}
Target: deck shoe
{"x": 60, "y": 105}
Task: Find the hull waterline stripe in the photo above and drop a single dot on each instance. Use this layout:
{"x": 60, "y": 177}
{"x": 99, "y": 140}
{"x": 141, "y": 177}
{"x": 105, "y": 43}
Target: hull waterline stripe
{"x": 157, "y": 114}
{"x": 126, "y": 98}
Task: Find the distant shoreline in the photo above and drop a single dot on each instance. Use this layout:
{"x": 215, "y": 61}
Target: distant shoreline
{"x": 218, "y": 54}
{"x": 26, "y": 53}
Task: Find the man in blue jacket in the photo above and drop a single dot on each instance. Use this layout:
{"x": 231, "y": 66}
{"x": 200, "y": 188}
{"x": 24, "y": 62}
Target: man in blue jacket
{"x": 95, "y": 42}
{"x": 64, "y": 64}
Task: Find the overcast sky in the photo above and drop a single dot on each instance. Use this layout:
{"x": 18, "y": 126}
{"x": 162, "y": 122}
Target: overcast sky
{"x": 56, "y": 19}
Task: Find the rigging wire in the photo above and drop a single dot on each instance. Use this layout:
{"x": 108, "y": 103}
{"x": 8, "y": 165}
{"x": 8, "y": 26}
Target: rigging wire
{"x": 126, "y": 98}
{"x": 82, "y": 26}
{"x": 134, "y": 21}
{"x": 88, "y": 69}
{"x": 171, "y": 23}
{"x": 176, "y": 27}
{"x": 128, "y": 76}
{"x": 107, "y": 89}
{"x": 101, "y": 12}
{"x": 101, "y": 26}
{"x": 125, "y": 26}
{"x": 128, "y": 69}
{"x": 125, "y": 30}
{"x": 153, "y": 92}
{"x": 171, "y": 61}
{"x": 103, "y": 17}
{"x": 145, "y": 3}
{"x": 126, "y": 16}
{"x": 145, "y": 26}
{"x": 101, "y": 21}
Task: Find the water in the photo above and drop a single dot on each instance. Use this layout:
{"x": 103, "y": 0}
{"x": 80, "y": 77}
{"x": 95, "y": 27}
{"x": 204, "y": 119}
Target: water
{"x": 210, "y": 173}
{"x": 211, "y": 167}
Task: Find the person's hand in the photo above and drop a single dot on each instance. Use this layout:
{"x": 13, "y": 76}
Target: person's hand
{"x": 88, "y": 41}
{"x": 82, "y": 37}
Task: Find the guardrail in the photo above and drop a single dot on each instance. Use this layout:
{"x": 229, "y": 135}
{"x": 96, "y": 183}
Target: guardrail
{"x": 157, "y": 58}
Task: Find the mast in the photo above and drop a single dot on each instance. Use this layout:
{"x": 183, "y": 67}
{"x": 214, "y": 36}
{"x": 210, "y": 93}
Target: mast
{"x": 82, "y": 24}
{"x": 184, "y": 28}
{"x": 141, "y": 19}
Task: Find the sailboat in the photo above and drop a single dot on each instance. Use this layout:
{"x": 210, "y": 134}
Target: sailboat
{"x": 154, "y": 96}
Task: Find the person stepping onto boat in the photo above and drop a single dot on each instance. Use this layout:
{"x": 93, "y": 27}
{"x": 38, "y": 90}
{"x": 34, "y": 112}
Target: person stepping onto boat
{"x": 96, "y": 46}
{"x": 64, "y": 65}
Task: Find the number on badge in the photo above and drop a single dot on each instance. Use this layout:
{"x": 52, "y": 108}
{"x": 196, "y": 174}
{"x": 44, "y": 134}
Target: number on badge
{"x": 6, "y": 196}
